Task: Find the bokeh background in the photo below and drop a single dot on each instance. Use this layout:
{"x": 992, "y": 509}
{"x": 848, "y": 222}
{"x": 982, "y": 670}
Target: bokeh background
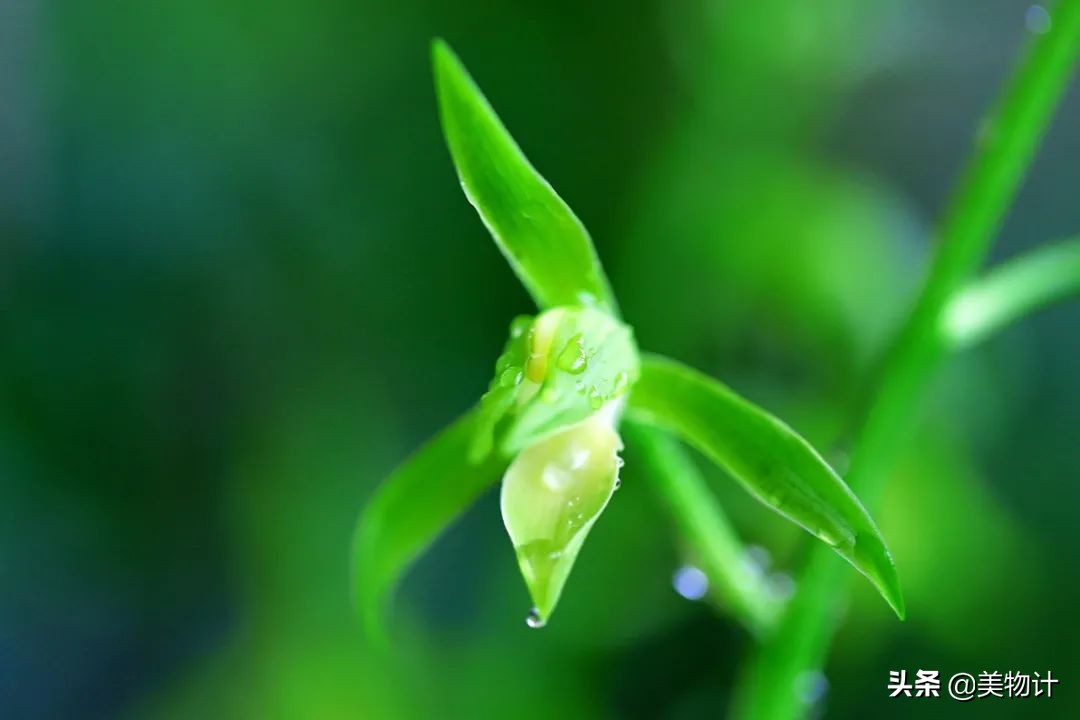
{"x": 239, "y": 282}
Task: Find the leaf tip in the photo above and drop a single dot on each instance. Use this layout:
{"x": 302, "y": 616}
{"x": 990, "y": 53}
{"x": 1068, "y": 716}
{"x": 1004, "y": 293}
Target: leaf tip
{"x": 895, "y": 598}
{"x": 444, "y": 61}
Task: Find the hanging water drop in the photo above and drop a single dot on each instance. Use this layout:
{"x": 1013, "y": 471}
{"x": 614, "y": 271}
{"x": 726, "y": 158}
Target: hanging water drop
{"x": 596, "y": 398}
{"x": 533, "y": 619}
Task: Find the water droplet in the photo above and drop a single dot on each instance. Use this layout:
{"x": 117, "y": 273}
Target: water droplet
{"x": 596, "y": 398}
{"x": 572, "y": 357}
{"x": 758, "y": 557}
{"x": 534, "y": 620}
{"x": 619, "y": 462}
{"x": 587, "y": 299}
{"x": 781, "y": 585}
{"x": 549, "y": 395}
{"x": 844, "y": 539}
{"x": 510, "y": 377}
{"x": 519, "y": 325}
{"x": 618, "y": 483}
{"x": 811, "y": 687}
{"x": 621, "y": 383}
{"x": 690, "y": 582}
{"x": 1037, "y": 20}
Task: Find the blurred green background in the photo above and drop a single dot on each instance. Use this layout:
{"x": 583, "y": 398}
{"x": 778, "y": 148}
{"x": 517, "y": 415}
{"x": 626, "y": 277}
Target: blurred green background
{"x": 239, "y": 282}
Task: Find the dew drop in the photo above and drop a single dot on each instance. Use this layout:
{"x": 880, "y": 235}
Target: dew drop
{"x": 618, "y": 483}
{"x": 758, "y": 559}
{"x": 549, "y": 395}
{"x": 781, "y": 586}
{"x": 845, "y": 540}
{"x": 510, "y": 377}
{"x": 572, "y": 357}
{"x": 587, "y": 299}
{"x": 533, "y": 619}
{"x": 1037, "y": 20}
{"x": 596, "y": 398}
{"x": 811, "y": 687}
{"x": 622, "y": 381}
{"x": 690, "y": 582}
{"x": 519, "y": 325}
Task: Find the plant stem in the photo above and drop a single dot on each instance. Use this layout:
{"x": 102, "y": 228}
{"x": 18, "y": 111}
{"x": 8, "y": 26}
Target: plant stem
{"x": 1006, "y": 145}
{"x": 703, "y": 526}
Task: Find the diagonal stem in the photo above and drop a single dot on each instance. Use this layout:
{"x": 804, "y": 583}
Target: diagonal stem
{"x": 1007, "y": 143}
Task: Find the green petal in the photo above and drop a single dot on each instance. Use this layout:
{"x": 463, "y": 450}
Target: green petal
{"x": 557, "y": 370}
{"x": 552, "y": 494}
{"x": 771, "y": 461}
{"x": 418, "y": 501}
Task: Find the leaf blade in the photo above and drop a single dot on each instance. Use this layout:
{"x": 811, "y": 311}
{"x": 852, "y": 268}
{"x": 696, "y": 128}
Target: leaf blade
{"x": 419, "y": 499}
{"x": 1010, "y": 291}
{"x": 769, "y": 459}
{"x": 545, "y": 243}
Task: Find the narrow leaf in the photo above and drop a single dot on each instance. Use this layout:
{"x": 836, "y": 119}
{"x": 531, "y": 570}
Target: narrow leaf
{"x": 544, "y": 242}
{"x": 1009, "y": 292}
{"x": 702, "y": 524}
{"x": 408, "y": 511}
{"x": 770, "y": 460}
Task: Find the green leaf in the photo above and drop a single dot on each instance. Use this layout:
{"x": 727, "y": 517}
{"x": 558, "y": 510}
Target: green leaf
{"x": 1011, "y": 291}
{"x": 552, "y": 494}
{"x": 544, "y": 242}
{"x": 408, "y": 511}
{"x": 556, "y": 370}
{"x": 703, "y": 526}
{"x": 770, "y": 460}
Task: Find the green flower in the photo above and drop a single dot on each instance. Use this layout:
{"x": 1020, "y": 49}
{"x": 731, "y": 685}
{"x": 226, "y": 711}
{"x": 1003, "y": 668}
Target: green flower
{"x": 567, "y": 382}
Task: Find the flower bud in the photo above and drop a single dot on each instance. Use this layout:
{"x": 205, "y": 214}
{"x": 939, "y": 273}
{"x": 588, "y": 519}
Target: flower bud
{"x": 551, "y": 495}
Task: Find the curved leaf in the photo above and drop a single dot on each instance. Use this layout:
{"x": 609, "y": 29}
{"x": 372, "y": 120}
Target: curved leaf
{"x": 1010, "y": 291}
{"x": 408, "y": 511}
{"x": 703, "y": 525}
{"x": 544, "y": 242}
{"x": 770, "y": 460}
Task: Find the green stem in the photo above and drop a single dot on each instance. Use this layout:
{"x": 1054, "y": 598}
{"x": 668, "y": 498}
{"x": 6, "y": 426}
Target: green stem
{"x": 1011, "y": 291}
{"x": 1007, "y": 144}
{"x": 702, "y": 524}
